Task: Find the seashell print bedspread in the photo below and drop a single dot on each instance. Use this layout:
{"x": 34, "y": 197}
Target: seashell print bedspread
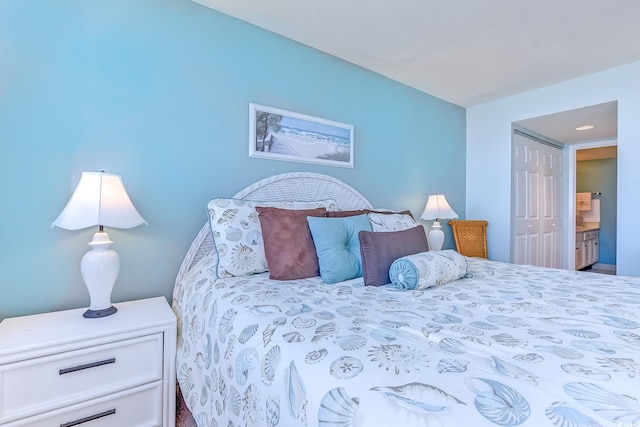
{"x": 512, "y": 345}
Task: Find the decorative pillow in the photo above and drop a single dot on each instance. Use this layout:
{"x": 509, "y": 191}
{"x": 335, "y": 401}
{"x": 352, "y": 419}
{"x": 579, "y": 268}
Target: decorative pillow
{"x": 338, "y": 247}
{"x": 288, "y": 245}
{"x": 237, "y": 235}
{"x": 427, "y": 269}
{"x": 391, "y": 222}
{"x": 380, "y": 250}
{"x": 342, "y": 214}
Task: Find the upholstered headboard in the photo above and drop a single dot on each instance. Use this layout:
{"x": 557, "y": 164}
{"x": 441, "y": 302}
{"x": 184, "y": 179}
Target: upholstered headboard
{"x": 283, "y": 187}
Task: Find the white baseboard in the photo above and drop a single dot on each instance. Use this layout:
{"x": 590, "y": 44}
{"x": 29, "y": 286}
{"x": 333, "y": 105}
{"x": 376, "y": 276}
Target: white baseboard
{"x": 605, "y": 267}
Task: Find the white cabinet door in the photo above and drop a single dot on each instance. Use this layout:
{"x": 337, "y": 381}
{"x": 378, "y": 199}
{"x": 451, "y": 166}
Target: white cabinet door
{"x": 581, "y": 256}
{"x": 587, "y": 249}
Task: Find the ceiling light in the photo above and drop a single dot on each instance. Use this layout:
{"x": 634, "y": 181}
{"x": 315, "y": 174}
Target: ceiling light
{"x": 585, "y": 127}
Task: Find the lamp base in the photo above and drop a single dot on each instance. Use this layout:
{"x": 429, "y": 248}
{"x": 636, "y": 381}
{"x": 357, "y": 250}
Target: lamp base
{"x": 99, "y": 268}
{"x": 436, "y": 237}
{"x": 93, "y": 314}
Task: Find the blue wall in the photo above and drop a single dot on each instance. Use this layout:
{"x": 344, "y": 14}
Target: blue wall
{"x": 158, "y": 92}
{"x": 599, "y": 176}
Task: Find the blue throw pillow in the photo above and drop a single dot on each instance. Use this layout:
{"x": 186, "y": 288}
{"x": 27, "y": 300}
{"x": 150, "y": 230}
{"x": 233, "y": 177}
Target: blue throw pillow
{"x": 338, "y": 247}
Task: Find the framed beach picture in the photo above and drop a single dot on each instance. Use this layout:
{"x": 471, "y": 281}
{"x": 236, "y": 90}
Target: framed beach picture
{"x": 284, "y": 135}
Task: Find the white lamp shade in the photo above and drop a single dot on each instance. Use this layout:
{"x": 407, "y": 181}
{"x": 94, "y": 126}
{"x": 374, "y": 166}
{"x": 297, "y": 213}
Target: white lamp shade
{"x": 99, "y": 199}
{"x": 438, "y": 208}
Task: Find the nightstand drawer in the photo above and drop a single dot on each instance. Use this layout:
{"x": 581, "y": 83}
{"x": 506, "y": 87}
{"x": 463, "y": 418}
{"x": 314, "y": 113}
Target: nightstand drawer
{"x": 141, "y": 406}
{"x": 42, "y": 384}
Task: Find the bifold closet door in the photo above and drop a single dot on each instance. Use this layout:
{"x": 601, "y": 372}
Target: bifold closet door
{"x": 536, "y": 210}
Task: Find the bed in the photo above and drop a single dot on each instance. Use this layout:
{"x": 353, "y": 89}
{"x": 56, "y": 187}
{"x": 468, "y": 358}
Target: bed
{"x": 504, "y": 345}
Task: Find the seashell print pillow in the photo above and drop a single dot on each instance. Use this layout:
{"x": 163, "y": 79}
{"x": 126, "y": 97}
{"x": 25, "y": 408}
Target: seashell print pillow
{"x": 426, "y": 269}
{"x": 391, "y": 222}
{"x": 237, "y": 235}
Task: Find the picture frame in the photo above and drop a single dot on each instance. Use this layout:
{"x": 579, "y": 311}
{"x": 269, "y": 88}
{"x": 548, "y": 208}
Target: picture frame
{"x": 285, "y": 135}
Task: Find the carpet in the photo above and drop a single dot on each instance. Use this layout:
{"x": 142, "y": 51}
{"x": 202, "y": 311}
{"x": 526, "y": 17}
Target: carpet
{"x": 183, "y": 415}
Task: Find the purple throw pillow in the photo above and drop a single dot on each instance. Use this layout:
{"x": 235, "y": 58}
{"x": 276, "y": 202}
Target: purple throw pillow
{"x": 380, "y": 249}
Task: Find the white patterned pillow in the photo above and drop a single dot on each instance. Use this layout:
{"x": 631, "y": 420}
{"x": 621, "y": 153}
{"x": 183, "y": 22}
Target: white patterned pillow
{"x": 237, "y": 236}
{"x": 427, "y": 269}
{"x": 391, "y": 222}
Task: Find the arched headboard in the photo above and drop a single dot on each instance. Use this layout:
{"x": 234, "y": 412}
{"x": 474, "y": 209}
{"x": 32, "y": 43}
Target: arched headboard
{"x": 287, "y": 186}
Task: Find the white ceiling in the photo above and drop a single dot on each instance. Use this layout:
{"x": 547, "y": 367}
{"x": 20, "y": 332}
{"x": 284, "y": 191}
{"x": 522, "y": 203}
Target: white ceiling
{"x": 464, "y": 51}
{"x": 561, "y": 126}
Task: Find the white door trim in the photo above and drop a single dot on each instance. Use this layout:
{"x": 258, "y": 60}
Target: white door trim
{"x": 570, "y": 189}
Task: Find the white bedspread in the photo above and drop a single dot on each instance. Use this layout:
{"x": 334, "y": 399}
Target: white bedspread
{"x": 512, "y": 345}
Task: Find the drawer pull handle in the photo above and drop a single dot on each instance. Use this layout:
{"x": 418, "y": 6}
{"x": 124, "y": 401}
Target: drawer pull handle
{"x": 87, "y": 366}
{"x": 89, "y": 418}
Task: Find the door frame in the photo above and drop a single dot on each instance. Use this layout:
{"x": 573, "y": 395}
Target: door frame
{"x": 569, "y": 258}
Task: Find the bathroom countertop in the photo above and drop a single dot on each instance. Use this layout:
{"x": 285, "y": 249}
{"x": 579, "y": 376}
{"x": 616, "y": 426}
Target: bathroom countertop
{"x": 587, "y": 226}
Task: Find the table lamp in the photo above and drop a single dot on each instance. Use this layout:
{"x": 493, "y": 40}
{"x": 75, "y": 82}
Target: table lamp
{"x": 437, "y": 208}
{"x": 99, "y": 199}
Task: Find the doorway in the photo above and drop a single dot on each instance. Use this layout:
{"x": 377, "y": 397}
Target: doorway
{"x": 596, "y": 174}
{"x": 563, "y": 128}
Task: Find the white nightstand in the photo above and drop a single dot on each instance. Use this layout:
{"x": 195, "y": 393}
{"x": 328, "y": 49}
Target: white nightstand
{"x": 61, "y": 369}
